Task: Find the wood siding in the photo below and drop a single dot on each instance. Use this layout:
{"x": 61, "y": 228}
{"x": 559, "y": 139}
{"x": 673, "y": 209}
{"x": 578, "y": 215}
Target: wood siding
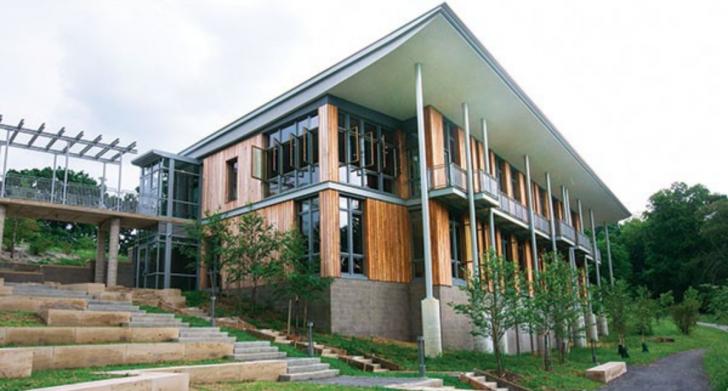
{"x": 214, "y": 186}
{"x": 330, "y": 234}
{"x": 387, "y": 242}
{"x": 440, "y": 242}
{"x": 328, "y": 142}
{"x": 403, "y": 188}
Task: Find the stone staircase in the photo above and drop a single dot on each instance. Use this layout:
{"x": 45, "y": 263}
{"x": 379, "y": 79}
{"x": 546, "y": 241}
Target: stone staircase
{"x": 144, "y": 319}
{"x": 479, "y": 382}
{"x": 113, "y": 306}
{"x": 256, "y": 350}
{"x": 204, "y": 334}
{"x": 363, "y": 363}
{"x": 300, "y": 369}
{"x": 24, "y": 289}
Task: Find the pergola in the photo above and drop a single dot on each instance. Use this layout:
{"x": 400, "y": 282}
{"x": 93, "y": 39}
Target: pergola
{"x": 67, "y": 146}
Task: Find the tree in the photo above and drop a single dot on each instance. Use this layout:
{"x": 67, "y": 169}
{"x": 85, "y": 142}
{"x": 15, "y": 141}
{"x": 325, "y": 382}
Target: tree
{"x": 17, "y": 230}
{"x": 555, "y": 303}
{"x": 685, "y": 313}
{"x": 644, "y": 312}
{"x": 616, "y": 300}
{"x": 664, "y": 302}
{"x": 494, "y": 301}
{"x": 718, "y": 302}
{"x": 303, "y": 281}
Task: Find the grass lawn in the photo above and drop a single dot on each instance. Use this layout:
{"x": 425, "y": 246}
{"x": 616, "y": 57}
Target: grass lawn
{"x": 57, "y": 377}
{"x": 20, "y": 319}
{"x": 566, "y": 376}
{"x": 264, "y": 386}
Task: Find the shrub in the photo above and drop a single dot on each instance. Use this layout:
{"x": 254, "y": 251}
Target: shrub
{"x": 39, "y": 245}
{"x": 685, "y": 313}
{"x": 644, "y": 311}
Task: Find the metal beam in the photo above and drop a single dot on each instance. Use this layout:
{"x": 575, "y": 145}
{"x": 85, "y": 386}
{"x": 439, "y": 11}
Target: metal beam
{"x": 471, "y": 195}
{"x": 107, "y": 148}
{"x": 420, "y": 108}
{"x": 20, "y": 129}
{"x": 55, "y": 138}
{"x": 72, "y": 142}
{"x": 89, "y": 146}
{"x": 35, "y": 136}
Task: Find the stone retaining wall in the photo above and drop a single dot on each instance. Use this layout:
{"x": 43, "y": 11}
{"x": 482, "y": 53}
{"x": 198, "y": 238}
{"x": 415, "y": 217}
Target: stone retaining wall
{"x": 19, "y": 272}
{"x": 79, "y": 318}
{"x": 39, "y": 303}
{"x": 156, "y": 381}
{"x": 229, "y": 372}
{"x": 35, "y": 336}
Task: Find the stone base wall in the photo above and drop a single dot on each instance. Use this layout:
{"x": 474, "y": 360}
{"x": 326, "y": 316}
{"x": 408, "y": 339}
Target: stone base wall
{"x": 35, "y": 336}
{"x": 17, "y": 272}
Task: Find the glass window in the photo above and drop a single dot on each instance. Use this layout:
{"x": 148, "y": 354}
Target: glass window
{"x": 232, "y": 179}
{"x": 309, "y": 223}
{"x": 515, "y": 184}
{"x": 458, "y": 265}
{"x": 291, "y": 157}
{"x": 367, "y": 154}
{"x": 351, "y": 229}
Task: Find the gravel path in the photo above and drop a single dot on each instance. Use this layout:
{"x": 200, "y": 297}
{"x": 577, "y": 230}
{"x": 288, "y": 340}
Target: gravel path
{"x": 678, "y": 372}
{"x": 715, "y": 326}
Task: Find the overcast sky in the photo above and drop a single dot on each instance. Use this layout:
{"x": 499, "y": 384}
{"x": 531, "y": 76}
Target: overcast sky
{"x": 639, "y": 88}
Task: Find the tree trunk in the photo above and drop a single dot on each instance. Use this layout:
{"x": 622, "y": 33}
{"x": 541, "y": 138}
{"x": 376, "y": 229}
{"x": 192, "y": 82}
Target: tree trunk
{"x": 305, "y": 313}
{"x": 288, "y": 322}
{"x": 254, "y": 294}
{"x": 497, "y": 353}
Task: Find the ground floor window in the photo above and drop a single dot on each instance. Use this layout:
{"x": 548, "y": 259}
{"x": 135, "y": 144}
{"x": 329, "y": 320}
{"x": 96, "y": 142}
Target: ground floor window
{"x": 351, "y": 236}
{"x": 309, "y": 223}
{"x": 457, "y": 263}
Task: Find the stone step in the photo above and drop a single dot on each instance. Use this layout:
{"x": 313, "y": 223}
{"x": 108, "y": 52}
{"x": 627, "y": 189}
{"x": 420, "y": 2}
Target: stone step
{"x": 325, "y": 374}
{"x": 156, "y": 324}
{"x": 201, "y": 329}
{"x": 247, "y": 344}
{"x": 147, "y": 315}
{"x": 308, "y": 368}
{"x": 259, "y": 356}
{"x": 255, "y": 349}
{"x": 113, "y": 308}
{"x": 296, "y": 361}
{"x": 184, "y": 333}
{"x": 206, "y": 339}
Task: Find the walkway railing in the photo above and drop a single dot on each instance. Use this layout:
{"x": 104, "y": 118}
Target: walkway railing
{"x": 541, "y": 223}
{"x": 565, "y": 231}
{"x": 90, "y": 196}
{"x": 513, "y": 208}
{"x": 583, "y": 241}
{"x": 447, "y": 175}
{"x": 488, "y": 184}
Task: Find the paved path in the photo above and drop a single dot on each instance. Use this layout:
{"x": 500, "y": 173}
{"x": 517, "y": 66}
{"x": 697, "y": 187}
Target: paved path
{"x": 678, "y": 372}
{"x": 715, "y": 326}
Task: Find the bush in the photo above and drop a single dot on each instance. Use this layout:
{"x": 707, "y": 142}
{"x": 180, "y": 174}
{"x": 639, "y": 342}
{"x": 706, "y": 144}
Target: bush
{"x": 685, "y": 313}
{"x": 718, "y": 302}
{"x": 39, "y": 245}
{"x": 644, "y": 311}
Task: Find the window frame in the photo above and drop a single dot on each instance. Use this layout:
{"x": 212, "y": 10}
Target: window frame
{"x": 313, "y": 249}
{"x": 303, "y": 166}
{"x": 231, "y": 193}
{"x": 349, "y": 254}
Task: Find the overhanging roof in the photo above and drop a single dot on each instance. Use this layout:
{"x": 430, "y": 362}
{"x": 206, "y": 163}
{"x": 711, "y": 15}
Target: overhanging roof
{"x": 456, "y": 68}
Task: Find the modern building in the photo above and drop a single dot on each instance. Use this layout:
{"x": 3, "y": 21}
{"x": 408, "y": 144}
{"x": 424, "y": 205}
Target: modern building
{"x": 397, "y": 164}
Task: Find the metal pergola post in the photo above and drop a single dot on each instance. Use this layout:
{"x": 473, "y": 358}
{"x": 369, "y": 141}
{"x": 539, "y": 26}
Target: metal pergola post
{"x": 65, "y": 174}
{"x": 118, "y": 189}
{"x": 53, "y": 178}
{"x": 5, "y": 162}
{"x": 471, "y": 195}
{"x": 102, "y": 188}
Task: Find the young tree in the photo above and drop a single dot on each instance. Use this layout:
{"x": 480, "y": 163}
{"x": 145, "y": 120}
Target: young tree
{"x": 554, "y": 305}
{"x": 645, "y": 309}
{"x": 494, "y": 301}
{"x": 718, "y": 302}
{"x": 254, "y": 253}
{"x": 685, "y": 313}
{"x": 616, "y": 300}
{"x": 303, "y": 281}
{"x": 664, "y": 303}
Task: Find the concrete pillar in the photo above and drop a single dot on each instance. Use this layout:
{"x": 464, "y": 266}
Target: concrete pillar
{"x": 592, "y": 327}
{"x": 101, "y": 233}
{"x": 580, "y": 332}
{"x": 113, "y": 252}
{"x": 603, "y": 325}
{"x": 2, "y": 223}
{"x": 431, "y": 330}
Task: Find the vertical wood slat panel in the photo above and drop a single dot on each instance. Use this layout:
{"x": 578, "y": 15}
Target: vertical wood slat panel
{"x": 330, "y": 234}
{"x": 214, "y": 194}
{"x": 461, "y": 148}
{"x": 507, "y": 173}
{"x": 522, "y": 187}
{"x": 328, "y": 142}
{"x": 403, "y": 178}
{"x": 387, "y": 242}
{"x": 440, "y": 241}
{"x": 434, "y": 142}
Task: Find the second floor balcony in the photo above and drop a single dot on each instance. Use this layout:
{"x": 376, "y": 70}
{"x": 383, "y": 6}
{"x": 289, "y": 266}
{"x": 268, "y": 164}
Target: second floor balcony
{"x": 513, "y": 209}
{"x": 583, "y": 242}
{"x": 565, "y": 232}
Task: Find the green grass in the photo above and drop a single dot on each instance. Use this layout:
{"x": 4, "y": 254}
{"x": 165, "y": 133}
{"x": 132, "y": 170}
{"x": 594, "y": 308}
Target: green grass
{"x": 20, "y": 319}
{"x": 265, "y": 386}
{"x": 57, "y": 377}
{"x": 568, "y": 375}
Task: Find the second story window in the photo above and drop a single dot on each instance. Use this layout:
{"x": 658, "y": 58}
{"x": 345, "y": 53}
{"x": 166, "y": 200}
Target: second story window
{"x": 291, "y": 158}
{"x": 516, "y": 184}
{"x": 367, "y": 154}
{"x": 231, "y": 179}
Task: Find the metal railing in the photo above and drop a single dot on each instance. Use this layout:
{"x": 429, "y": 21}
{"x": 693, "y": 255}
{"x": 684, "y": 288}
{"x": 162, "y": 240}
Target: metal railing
{"x": 447, "y": 175}
{"x": 583, "y": 241}
{"x": 565, "y": 231}
{"x": 90, "y": 196}
{"x": 541, "y": 223}
{"x": 488, "y": 184}
{"x": 513, "y": 208}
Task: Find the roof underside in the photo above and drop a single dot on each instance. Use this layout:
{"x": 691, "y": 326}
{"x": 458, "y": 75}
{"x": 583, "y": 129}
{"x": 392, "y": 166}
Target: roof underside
{"x": 456, "y": 69}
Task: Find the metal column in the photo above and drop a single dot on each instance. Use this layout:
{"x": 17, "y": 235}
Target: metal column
{"x": 424, "y": 187}
{"x": 168, "y": 233}
{"x": 5, "y": 163}
{"x": 65, "y": 174}
{"x": 118, "y": 189}
{"x": 471, "y": 196}
{"x": 53, "y": 179}
{"x": 484, "y": 126}
{"x": 531, "y": 216}
{"x": 581, "y": 217}
{"x": 609, "y": 254}
{"x": 552, "y": 213}
{"x": 594, "y": 245}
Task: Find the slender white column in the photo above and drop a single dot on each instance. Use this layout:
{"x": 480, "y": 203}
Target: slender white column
{"x": 430, "y": 305}
{"x": 531, "y": 216}
{"x": 609, "y": 254}
{"x": 594, "y": 247}
{"x": 581, "y": 217}
{"x": 552, "y": 213}
{"x": 484, "y": 126}
{"x": 471, "y": 195}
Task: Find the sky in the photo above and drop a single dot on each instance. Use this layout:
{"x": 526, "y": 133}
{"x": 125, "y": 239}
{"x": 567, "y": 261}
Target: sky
{"x": 639, "y": 88}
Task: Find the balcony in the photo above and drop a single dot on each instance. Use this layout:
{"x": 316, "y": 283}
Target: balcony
{"x": 565, "y": 232}
{"x": 513, "y": 209}
{"x": 488, "y": 188}
{"x": 445, "y": 176}
{"x": 542, "y": 224}
{"x": 31, "y": 188}
{"x": 583, "y": 242}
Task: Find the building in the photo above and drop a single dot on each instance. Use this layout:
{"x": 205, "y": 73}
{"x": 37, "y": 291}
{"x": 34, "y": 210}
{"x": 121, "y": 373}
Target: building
{"x": 344, "y": 157}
